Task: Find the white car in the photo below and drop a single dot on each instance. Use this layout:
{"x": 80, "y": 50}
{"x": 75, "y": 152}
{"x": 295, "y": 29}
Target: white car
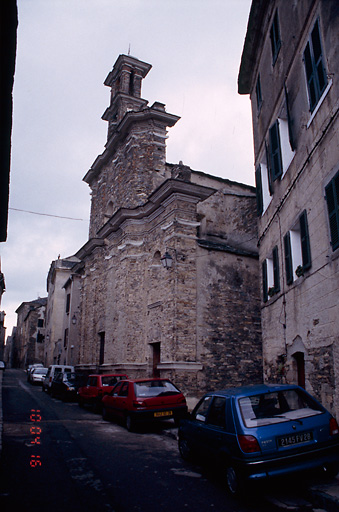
{"x": 37, "y": 375}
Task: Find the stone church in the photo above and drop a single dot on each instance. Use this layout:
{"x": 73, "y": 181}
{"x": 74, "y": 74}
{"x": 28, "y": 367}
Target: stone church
{"x": 170, "y": 269}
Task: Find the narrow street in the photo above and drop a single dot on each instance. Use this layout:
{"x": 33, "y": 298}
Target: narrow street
{"x": 57, "y": 456}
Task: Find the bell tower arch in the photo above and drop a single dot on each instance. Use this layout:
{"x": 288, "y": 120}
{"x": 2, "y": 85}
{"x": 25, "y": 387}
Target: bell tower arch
{"x": 125, "y": 81}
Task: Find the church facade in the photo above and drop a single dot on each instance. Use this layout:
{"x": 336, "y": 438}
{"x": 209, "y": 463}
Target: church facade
{"x": 170, "y": 270}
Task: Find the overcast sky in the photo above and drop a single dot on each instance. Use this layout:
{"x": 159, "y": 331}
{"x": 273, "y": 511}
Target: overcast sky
{"x": 65, "y": 50}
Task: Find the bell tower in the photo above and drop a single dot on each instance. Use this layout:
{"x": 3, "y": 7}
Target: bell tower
{"x": 125, "y": 83}
{"x": 133, "y": 163}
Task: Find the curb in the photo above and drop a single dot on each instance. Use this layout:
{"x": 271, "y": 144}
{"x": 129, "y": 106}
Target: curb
{"x": 326, "y": 496}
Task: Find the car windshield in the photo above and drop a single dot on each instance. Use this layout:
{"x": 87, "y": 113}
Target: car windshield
{"x": 276, "y": 407}
{"x": 155, "y": 388}
{"x": 40, "y": 370}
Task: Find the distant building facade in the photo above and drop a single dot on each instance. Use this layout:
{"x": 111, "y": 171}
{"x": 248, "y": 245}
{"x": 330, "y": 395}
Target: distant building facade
{"x": 2, "y": 316}
{"x": 70, "y": 348}
{"x": 27, "y": 346}
{"x": 56, "y": 337}
{"x": 289, "y": 68}
{"x": 170, "y": 271}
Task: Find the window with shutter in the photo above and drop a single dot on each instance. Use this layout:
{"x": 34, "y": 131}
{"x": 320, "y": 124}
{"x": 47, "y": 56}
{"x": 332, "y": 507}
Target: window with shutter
{"x": 264, "y": 281}
{"x": 270, "y": 275}
{"x": 275, "y": 38}
{"x": 315, "y": 67}
{"x": 332, "y": 199}
{"x": 288, "y": 258}
{"x": 276, "y": 278}
{"x": 305, "y": 241}
{"x": 275, "y": 151}
{"x": 258, "y": 93}
{"x": 259, "y": 191}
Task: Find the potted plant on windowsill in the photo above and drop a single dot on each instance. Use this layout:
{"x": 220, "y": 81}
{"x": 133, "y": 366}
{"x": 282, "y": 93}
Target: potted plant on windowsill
{"x": 271, "y": 291}
{"x": 299, "y": 271}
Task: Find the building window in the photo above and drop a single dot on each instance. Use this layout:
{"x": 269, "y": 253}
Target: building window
{"x": 263, "y": 188}
{"x": 332, "y": 199}
{"x": 259, "y": 191}
{"x": 297, "y": 249}
{"x": 65, "y": 338}
{"x": 101, "y": 348}
{"x": 275, "y": 38}
{"x": 40, "y": 322}
{"x": 275, "y": 151}
{"x": 315, "y": 67}
{"x": 270, "y": 275}
{"x": 68, "y": 302}
{"x": 280, "y": 151}
{"x": 258, "y": 93}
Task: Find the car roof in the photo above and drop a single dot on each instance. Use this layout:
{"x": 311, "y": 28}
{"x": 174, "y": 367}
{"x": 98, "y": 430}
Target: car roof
{"x": 252, "y": 389}
{"x": 107, "y": 375}
{"x": 145, "y": 380}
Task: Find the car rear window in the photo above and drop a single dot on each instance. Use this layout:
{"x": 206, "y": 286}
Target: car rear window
{"x": 155, "y": 388}
{"x": 109, "y": 380}
{"x": 276, "y": 407}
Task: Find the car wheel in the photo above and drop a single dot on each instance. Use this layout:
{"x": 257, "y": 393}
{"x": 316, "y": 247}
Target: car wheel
{"x": 184, "y": 448}
{"x": 129, "y": 423}
{"x": 233, "y": 481}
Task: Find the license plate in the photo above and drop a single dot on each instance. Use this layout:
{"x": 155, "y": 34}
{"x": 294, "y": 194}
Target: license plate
{"x": 304, "y": 437}
{"x": 163, "y": 413}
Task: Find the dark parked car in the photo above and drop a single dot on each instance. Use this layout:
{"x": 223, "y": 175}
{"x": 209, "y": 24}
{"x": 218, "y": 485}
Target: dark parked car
{"x": 98, "y": 386}
{"x": 66, "y": 385}
{"x": 261, "y": 431}
{"x": 134, "y": 401}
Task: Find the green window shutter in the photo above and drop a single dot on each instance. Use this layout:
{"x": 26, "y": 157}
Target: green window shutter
{"x": 258, "y": 184}
{"x": 275, "y": 151}
{"x": 276, "y": 277}
{"x": 258, "y": 93}
{"x": 264, "y": 281}
{"x": 289, "y": 120}
{"x": 332, "y": 198}
{"x": 318, "y": 59}
{"x": 275, "y": 38}
{"x": 314, "y": 66}
{"x": 305, "y": 241}
{"x": 288, "y": 258}
{"x": 269, "y": 172}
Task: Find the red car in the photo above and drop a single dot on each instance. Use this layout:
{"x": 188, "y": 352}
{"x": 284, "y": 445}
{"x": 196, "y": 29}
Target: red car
{"x": 139, "y": 400}
{"x": 98, "y": 386}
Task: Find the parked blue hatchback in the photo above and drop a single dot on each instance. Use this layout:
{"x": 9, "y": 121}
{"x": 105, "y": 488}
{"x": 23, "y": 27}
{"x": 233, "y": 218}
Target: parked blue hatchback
{"x": 261, "y": 431}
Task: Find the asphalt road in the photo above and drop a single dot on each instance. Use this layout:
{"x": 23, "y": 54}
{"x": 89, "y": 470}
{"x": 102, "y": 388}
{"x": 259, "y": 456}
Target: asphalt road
{"x": 59, "y": 457}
